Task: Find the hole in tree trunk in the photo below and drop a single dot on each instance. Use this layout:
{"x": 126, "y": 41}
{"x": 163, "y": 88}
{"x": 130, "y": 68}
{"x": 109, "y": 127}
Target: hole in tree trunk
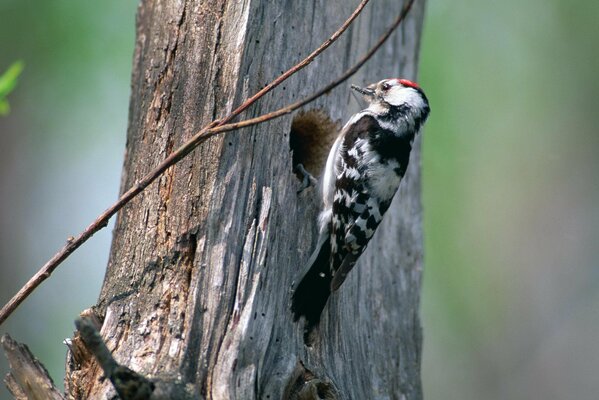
{"x": 311, "y": 137}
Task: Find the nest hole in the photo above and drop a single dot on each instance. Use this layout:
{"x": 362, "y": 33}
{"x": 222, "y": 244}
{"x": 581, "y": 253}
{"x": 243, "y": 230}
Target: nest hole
{"x": 311, "y": 137}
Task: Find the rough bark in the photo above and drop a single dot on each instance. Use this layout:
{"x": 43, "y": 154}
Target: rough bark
{"x": 28, "y": 378}
{"x": 198, "y": 284}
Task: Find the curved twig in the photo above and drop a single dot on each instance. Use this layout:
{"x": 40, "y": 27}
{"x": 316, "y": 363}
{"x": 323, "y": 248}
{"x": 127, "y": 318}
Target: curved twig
{"x": 295, "y": 68}
{"x": 102, "y": 220}
{"x": 202, "y": 135}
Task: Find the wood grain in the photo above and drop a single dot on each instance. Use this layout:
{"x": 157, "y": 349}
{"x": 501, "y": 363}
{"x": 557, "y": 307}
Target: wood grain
{"x": 198, "y": 283}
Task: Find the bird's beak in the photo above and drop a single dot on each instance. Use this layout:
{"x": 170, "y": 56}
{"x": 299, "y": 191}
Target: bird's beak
{"x": 365, "y": 91}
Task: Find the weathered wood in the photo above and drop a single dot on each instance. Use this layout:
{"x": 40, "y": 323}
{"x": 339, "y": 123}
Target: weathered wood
{"x": 198, "y": 284}
{"x": 28, "y": 378}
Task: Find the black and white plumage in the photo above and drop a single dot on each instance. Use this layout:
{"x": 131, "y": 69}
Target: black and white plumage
{"x": 363, "y": 171}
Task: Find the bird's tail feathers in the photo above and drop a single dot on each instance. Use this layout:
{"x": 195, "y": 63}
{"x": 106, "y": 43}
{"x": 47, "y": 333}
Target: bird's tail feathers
{"x": 348, "y": 263}
{"x": 313, "y": 291}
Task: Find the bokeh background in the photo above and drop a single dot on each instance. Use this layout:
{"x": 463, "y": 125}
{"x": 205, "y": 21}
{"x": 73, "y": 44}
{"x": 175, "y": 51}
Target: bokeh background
{"x": 511, "y": 291}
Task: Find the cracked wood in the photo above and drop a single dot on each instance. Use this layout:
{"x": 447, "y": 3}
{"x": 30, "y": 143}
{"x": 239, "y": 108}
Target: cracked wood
{"x": 197, "y": 286}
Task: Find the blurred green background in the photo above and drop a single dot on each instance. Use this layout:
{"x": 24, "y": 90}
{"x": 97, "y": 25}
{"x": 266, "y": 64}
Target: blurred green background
{"x": 511, "y": 197}
{"x": 61, "y": 155}
{"x": 511, "y": 289}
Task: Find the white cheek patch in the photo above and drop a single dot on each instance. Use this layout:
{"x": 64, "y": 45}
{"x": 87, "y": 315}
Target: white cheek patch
{"x": 401, "y": 95}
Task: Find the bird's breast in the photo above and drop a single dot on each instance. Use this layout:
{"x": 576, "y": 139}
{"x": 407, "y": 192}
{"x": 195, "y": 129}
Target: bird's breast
{"x": 383, "y": 178}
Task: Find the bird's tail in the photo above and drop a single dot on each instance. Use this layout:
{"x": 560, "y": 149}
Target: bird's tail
{"x": 313, "y": 291}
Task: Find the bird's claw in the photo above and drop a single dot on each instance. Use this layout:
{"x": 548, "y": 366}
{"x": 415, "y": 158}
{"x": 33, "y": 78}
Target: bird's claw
{"x": 307, "y": 178}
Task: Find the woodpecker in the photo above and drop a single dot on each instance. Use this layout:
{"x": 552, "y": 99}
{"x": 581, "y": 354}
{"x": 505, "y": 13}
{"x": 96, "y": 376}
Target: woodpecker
{"x": 363, "y": 171}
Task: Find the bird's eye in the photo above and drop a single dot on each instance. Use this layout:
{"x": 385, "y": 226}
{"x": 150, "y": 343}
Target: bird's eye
{"x": 386, "y": 86}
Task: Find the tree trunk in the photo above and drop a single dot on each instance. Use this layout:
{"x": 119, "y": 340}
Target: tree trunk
{"x": 198, "y": 284}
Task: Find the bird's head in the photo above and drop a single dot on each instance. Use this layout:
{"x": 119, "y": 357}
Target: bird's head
{"x": 390, "y": 93}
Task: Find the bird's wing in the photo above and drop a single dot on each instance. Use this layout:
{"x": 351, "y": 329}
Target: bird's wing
{"x": 364, "y": 219}
{"x": 351, "y": 220}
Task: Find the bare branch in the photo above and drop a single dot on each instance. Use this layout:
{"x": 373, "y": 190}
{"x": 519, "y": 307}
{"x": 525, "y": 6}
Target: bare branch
{"x": 294, "y": 69}
{"x": 202, "y": 135}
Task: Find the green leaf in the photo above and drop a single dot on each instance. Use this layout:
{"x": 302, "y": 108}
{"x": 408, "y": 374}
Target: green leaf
{"x": 8, "y": 80}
